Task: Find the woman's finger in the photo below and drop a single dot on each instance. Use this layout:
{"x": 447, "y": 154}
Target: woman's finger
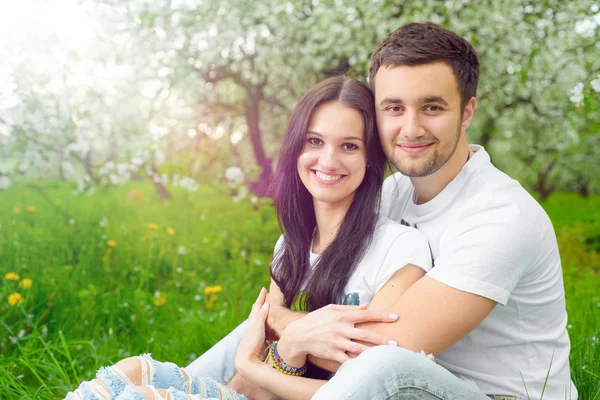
{"x": 370, "y": 316}
{"x": 340, "y": 307}
{"x": 258, "y": 303}
{"x": 353, "y": 347}
{"x": 365, "y": 336}
{"x": 341, "y": 357}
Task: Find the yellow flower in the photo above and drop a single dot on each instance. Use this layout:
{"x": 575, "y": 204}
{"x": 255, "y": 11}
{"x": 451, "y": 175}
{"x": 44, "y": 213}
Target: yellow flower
{"x": 205, "y": 240}
{"x": 17, "y": 210}
{"x": 15, "y": 299}
{"x": 31, "y": 209}
{"x": 170, "y": 231}
{"x": 211, "y": 302}
{"x": 213, "y": 289}
{"x": 160, "y": 301}
{"x": 112, "y": 243}
{"x": 25, "y": 283}
{"x": 12, "y": 276}
{"x": 153, "y": 226}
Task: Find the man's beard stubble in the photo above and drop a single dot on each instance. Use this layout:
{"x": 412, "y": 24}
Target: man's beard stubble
{"x": 431, "y": 165}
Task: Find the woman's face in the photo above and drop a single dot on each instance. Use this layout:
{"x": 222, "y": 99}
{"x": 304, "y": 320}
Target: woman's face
{"x": 333, "y": 162}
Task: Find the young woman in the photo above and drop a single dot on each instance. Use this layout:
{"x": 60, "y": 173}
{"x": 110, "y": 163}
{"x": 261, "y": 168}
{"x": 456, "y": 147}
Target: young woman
{"x": 334, "y": 252}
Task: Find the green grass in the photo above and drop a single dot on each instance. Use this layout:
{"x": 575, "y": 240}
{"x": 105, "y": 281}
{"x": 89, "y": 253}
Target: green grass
{"x": 91, "y": 304}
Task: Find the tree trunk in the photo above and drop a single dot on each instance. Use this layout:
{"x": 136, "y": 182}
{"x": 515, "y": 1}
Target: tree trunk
{"x": 252, "y": 107}
{"x": 583, "y": 188}
{"x": 161, "y": 189}
{"x": 543, "y": 186}
{"x": 89, "y": 167}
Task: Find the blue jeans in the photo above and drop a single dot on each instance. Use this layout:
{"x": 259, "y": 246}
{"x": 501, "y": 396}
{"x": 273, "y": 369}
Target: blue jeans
{"x": 387, "y": 372}
{"x": 113, "y": 383}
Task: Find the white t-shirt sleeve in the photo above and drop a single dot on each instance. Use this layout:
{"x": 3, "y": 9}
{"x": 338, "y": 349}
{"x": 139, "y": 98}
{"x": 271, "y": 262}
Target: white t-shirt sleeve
{"x": 277, "y": 251}
{"x": 487, "y": 250}
{"x": 401, "y": 246}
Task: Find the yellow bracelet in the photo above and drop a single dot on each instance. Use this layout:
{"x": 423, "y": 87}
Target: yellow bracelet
{"x": 281, "y": 365}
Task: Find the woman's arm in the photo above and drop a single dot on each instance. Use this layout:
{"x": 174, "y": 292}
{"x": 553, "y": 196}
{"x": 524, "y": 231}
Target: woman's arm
{"x": 284, "y": 386}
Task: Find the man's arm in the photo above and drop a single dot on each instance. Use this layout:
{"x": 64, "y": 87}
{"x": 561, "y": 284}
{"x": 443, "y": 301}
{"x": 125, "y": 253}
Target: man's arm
{"x": 432, "y": 316}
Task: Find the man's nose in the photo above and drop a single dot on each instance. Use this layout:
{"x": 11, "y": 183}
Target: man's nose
{"x": 412, "y": 127}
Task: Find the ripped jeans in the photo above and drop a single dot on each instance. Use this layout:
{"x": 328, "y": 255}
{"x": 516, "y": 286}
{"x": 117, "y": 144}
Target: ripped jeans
{"x": 176, "y": 384}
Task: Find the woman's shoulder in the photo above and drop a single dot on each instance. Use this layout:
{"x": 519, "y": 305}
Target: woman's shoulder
{"x": 391, "y": 230}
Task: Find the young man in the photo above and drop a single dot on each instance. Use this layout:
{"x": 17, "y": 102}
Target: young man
{"x": 492, "y": 310}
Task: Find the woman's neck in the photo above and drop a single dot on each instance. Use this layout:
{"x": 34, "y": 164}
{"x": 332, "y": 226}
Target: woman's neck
{"x": 329, "y": 219}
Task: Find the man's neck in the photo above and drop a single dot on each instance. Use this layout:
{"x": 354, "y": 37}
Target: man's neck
{"x": 427, "y": 187}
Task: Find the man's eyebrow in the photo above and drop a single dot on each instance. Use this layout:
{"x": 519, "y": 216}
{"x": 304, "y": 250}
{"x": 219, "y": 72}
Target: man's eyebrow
{"x": 421, "y": 100}
{"x": 313, "y": 133}
{"x": 434, "y": 99}
{"x": 390, "y": 100}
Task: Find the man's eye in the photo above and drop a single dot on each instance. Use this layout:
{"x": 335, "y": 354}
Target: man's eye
{"x": 394, "y": 108}
{"x": 433, "y": 108}
{"x": 350, "y": 146}
{"x": 315, "y": 141}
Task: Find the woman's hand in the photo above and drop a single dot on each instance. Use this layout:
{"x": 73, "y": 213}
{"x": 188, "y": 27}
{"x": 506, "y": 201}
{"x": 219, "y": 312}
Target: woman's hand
{"x": 250, "y": 351}
{"x": 329, "y": 333}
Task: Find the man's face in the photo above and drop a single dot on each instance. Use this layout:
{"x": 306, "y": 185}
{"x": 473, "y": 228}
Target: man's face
{"x": 419, "y": 116}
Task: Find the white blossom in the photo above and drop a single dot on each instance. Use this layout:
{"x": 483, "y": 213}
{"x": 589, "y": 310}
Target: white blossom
{"x": 577, "y": 93}
{"x": 4, "y": 182}
{"x": 596, "y": 84}
{"x": 235, "y": 176}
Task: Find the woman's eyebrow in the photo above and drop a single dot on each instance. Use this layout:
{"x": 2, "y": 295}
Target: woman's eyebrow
{"x": 344, "y": 138}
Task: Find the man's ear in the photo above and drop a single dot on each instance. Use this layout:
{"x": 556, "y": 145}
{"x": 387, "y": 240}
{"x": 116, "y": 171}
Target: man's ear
{"x": 468, "y": 113}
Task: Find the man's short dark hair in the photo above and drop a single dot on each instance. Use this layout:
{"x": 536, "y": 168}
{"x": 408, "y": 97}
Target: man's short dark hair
{"x": 423, "y": 43}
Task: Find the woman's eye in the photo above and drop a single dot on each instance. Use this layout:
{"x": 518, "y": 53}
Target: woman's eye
{"x": 315, "y": 141}
{"x": 350, "y": 146}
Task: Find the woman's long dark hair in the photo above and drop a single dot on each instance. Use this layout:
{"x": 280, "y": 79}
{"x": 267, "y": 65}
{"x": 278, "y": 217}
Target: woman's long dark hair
{"x": 290, "y": 269}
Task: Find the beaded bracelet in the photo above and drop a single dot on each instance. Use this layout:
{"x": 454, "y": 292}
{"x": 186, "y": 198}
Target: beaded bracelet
{"x": 281, "y": 365}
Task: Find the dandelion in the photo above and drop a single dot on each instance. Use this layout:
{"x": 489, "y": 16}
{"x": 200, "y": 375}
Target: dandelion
{"x": 15, "y": 299}
{"x": 170, "y": 231}
{"x": 103, "y": 222}
{"x": 17, "y": 210}
{"x": 211, "y": 302}
{"x": 111, "y": 243}
{"x": 25, "y": 283}
{"x": 181, "y": 250}
{"x": 31, "y": 209}
{"x": 160, "y": 301}
{"x": 153, "y": 226}
{"x": 205, "y": 240}
{"x": 12, "y": 276}
{"x": 213, "y": 289}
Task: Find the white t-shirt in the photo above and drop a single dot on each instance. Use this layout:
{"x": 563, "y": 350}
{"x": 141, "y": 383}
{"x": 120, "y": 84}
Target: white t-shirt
{"x": 488, "y": 236}
{"x": 393, "y": 246}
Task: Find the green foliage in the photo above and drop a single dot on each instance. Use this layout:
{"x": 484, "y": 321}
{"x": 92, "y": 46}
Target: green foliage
{"x": 93, "y": 302}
